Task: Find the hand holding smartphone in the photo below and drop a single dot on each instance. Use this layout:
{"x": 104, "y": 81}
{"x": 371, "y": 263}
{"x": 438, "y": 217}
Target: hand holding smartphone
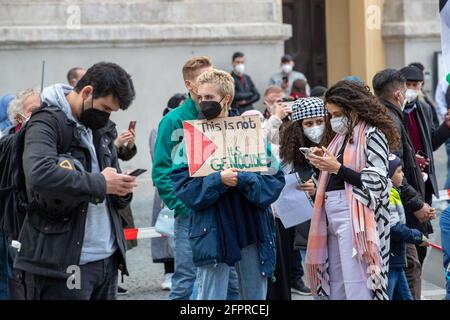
{"x": 305, "y": 151}
{"x": 137, "y": 172}
{"x": 132, "y": 125}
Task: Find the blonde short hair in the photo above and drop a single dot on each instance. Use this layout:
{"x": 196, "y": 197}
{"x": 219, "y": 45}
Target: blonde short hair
{"x": 223, "y": 81}
{"x": 193, "y": 65}
{"x": 16, "y": 105}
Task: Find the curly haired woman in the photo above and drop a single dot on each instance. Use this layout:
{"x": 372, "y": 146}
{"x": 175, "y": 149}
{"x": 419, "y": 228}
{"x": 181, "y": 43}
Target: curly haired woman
{"x": 348, "y": 246}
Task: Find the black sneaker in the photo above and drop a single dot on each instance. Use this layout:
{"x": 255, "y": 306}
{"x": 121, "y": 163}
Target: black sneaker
{"x": 300, "y": 288}
{"x": 121, "y": 291}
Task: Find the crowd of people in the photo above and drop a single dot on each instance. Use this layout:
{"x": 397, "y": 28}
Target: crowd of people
{"x": 363, "y": 159}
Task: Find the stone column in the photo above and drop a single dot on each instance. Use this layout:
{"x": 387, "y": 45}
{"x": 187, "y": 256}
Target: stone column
{"x": 354, "y": 42}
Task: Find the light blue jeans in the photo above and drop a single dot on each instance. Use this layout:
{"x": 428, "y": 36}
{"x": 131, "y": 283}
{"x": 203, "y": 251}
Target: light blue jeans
{"x": 445, "y": 239}
{"x": 214, "y": 279}
{"x": 183, "y": 279}
{"x": 447, "y": 182}
{"x": 398, "y": 288}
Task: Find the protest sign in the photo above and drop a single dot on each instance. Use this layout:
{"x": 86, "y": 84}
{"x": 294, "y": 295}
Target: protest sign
{"x": 222, "y": 143}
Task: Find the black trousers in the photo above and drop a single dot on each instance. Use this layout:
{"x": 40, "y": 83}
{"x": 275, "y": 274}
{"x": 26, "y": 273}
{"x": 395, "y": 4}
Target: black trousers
{"x": 281, "y": 288}
{"x": 288, "y": 267}
{"x": 97, "y": 281}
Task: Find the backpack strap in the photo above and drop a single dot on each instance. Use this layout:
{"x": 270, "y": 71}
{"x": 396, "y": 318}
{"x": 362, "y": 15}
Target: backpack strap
{"x": 67, "y": 132}
{"x": 66, "y": 128}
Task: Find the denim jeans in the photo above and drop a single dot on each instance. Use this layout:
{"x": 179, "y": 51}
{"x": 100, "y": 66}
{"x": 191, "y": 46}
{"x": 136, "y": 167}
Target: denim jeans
{"x": 183, "y": 279}
{"x": 6, "y": 265}
{"x": 445, "y": 239}
{"x": 215, "y": 280}
{"x": 447, "y": 182}
{"x": 398, "y": 288}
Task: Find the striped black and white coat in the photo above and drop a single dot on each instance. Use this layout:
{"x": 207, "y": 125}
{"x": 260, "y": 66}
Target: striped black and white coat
{"x": 375, "y": 191}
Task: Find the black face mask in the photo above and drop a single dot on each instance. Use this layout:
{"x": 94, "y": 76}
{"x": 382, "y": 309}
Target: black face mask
{"x": 210, "y": 109}
{"x": 94, "y": 118}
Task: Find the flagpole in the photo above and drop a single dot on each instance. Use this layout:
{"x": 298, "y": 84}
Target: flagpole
{"x": 42, "y": 75}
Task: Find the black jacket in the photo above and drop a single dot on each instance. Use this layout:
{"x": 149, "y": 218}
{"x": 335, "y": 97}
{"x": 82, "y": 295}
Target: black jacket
{"x": 432, "y": 138}
{"x": 412, "y": 191}
{"x": 433, "y": 111}
{"x": 52, "y": 240}
{"x": 245, "y": 90}
{"x": 447, "y": 97}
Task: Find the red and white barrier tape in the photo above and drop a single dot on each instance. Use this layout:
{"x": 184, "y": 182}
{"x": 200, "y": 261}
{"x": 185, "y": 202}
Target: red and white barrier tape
{"x": 141, "y": 233}
{"x": 444, "y": 195}
{"x": 435, "y": 246}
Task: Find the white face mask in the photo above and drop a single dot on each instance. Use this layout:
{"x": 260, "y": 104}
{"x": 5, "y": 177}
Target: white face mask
{"x": 339, "y": 125}
{"x": 315, "y": 133}
{"x": 240, "y": 68}
{"x": 411, "y": 95}
{"x": 287, "y": 68}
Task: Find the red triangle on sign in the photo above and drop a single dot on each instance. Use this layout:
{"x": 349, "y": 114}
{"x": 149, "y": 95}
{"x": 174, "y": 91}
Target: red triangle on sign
{"x": 198, "y": 147}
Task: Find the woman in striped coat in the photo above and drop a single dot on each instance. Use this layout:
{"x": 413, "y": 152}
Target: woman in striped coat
{"x": 348, "y": 245}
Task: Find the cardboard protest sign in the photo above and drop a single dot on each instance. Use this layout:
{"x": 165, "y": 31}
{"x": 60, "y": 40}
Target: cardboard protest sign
{"x": 215, "y": 145}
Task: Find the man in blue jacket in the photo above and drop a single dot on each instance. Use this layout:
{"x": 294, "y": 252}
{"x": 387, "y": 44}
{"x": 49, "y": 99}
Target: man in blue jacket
{"x": 231, "y": 222}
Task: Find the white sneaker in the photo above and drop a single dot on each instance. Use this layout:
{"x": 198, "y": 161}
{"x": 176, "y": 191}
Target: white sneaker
{"x": 167, "y": 283}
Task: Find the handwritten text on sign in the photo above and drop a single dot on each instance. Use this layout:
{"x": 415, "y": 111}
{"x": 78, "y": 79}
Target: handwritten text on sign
{"x": 215, "y": 145}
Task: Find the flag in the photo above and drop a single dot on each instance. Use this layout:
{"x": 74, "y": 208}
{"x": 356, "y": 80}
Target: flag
{"x": 444, "y": 8}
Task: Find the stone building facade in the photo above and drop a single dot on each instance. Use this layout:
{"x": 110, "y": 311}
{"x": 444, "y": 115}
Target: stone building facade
{"x": 153, "y": 38}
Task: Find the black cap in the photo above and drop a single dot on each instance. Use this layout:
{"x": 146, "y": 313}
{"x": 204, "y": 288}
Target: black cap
{"x": 412, "y": 73}
{"x": 318, "y": 91}
{"x": 286, "y": 58}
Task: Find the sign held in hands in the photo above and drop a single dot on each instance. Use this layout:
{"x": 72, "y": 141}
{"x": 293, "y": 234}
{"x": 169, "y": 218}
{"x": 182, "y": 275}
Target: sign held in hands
{"x": 219, "y": 144}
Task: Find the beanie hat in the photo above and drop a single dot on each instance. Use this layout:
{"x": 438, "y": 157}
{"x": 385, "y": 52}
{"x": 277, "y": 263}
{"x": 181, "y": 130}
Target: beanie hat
{"x": 412, "y": 73}
{"x": 305, "y": 108}
{"x": 394, "y": 163}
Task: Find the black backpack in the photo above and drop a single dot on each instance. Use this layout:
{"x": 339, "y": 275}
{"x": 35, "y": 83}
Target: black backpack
{"x": 13, "y": 193}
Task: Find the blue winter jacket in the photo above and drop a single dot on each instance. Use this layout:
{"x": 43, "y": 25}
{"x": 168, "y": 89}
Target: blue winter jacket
{"x": 201, "y": 194}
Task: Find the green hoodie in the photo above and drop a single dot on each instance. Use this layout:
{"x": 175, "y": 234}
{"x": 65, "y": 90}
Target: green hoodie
{"x": 169, "y": 136}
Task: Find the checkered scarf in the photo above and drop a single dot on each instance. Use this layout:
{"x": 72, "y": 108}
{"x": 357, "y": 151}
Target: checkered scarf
{"x": 305, "y": 108}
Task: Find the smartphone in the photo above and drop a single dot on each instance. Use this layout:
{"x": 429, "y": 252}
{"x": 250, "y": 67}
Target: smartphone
{"x": 137, "y": 172}
{"x": 132, "y": 125}
{"x": 288, "y": 103}
{"x": 305, "y": 151}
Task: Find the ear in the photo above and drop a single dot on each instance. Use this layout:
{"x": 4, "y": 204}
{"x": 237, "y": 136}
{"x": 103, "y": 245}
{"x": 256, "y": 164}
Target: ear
{"x": 188, "y": 84}
{"x": 86, "y": 92}
{"x": 228, "y": 100}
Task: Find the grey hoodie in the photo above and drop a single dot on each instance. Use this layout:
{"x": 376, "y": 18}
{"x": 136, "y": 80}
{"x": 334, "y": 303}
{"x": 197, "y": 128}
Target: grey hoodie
{"x": 99, "y": 240}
